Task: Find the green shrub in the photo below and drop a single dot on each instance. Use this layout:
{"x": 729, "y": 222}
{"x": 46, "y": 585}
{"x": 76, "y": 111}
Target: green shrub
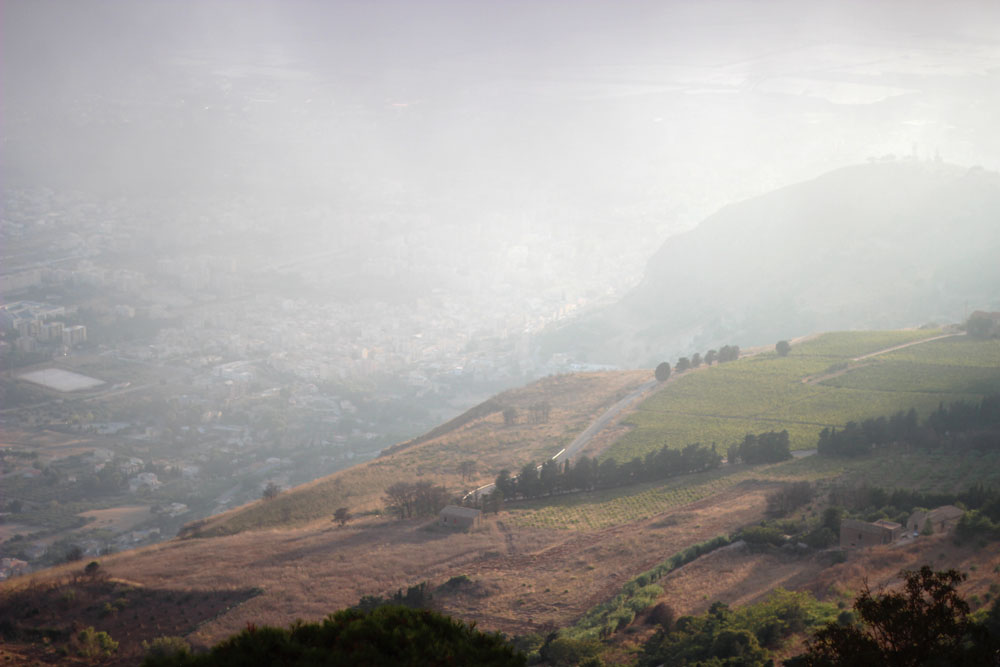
{"x": 163, "y": 649}
{"x": 388, "y": 635}
{"x": 94, "y": 644}
{"x": 564, "y": 651}
{"x": 762, "y": 535}
{"x": 638, "y": 594}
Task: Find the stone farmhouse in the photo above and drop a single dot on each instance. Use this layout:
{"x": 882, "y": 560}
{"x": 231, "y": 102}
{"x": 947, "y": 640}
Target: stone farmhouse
{"x": 460, "y": 518}
{"x": 942, "y": 519}
{"x": 860, "y": 534}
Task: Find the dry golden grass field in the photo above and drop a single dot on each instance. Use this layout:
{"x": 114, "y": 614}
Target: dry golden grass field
{"x": 533, "y": 567}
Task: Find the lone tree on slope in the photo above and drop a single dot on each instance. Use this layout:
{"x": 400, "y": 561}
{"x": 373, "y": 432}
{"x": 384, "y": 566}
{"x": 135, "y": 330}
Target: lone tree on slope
{"x": 271, "y": 491}
{"x": 783, "y": 348}
{"x": 662, "y": 371}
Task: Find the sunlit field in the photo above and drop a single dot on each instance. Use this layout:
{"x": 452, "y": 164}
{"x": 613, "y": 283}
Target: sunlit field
{"x": 819, "y": 384}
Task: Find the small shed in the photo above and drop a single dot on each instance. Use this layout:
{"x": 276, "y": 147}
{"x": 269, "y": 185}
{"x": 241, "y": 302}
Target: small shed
{"x": 859, "y": 534}
{"x": 460, "y": 518}
{"x": 942, "y": 519}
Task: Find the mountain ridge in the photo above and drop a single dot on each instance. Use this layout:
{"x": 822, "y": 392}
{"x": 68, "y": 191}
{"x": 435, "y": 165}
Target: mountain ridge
{"x": 877, "y": 246}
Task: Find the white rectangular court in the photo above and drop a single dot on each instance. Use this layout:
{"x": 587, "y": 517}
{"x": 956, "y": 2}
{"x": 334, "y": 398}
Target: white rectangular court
{"x": 61, "y": 380}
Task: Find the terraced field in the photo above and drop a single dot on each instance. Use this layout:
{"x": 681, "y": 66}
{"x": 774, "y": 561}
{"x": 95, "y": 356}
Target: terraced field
{"x": 819, "y": 384}
{"x": 930, "y": 472}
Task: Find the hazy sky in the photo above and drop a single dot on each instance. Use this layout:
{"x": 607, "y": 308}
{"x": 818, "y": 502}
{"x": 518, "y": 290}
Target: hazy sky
{"x": 630, "y": 120}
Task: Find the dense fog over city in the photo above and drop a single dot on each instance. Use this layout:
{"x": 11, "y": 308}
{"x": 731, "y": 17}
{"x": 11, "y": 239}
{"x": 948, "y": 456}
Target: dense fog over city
{"x": 551, "y": 146}
{"x": 262, "y": 241}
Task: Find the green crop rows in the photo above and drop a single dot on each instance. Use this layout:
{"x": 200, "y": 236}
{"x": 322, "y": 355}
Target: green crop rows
{"x": 930, "y": 472}
{"x": 850, "y": 344}
{"x": 958, "y": 351}
{"x": 600, "y": 509}
{"x": 906, "y": 376}
{"x": 817, "y": 385}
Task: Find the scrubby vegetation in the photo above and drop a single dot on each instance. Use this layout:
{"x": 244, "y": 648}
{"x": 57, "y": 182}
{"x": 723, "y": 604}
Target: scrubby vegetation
{"x": 638, "y": 594}
{"x": 926, "y": 623}
{"x": 387, "y": 635}
{"x": 745, "y": 636}
{"x": 415, "y": 597}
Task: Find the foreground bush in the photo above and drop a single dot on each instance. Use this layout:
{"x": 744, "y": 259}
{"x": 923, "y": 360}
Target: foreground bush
{"x": 926, "y": 623}
{"x": 388, "y": 635}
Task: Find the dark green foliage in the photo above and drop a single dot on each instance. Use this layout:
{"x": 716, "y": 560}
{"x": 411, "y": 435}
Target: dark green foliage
{"x": 587, "y": 474}
{"x": 407, "y": 500}
{"x": 415, "y": 597}
{"x": 662, "y": 615}
{"x": 388, "y": 635}
{"x": 975, "y": 525}
{"x": 639, "y": 593}
{"x": 873, "y": 503}
{"x": 164, "y": 649}
{"x": 979, "y": 325}
{"x": 821, "y": 538}
{"x": 505, "y": 483}
{"x": 662, "y": 371}
{"x": 768, "y": 534}
{"x": 93, "y": 644}
{"x": 563, "y": 651}
{"x": 769, "y": 447}
{"x": 741, "y": 637}
{"x": 728, "y": 353}
{"x": 457, "y": 582}
{"x": 789, "y": 498}
{"x": 682, "y": 364}
{"x": 783, "y": 348}
{"x": 958, "y": 426}
{"x": 925, "y": 623}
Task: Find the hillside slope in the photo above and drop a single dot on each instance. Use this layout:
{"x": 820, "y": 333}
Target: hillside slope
{"x": 543, "y": 563}
{"x": 876, "y": 246}
{"x": 480, "y": 436}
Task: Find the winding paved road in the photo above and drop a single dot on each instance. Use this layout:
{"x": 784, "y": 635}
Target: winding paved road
{"x": 581, "y": 440}
{"x": 588, "y": 434}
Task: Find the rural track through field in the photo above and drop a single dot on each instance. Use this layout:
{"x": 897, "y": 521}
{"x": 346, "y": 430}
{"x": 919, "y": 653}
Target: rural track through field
{"x": 508, "y": 538}
{"x": 816, "y": 379}
{"x": 598, "y": 424}
{"x": 588, "y": 433}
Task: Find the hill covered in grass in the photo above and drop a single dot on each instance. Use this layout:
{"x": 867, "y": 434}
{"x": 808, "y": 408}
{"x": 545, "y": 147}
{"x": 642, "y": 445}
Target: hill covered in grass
{"x": 824, "y": 382}
{"x": 875, "y": 246}
{"x": 482, "y": 438}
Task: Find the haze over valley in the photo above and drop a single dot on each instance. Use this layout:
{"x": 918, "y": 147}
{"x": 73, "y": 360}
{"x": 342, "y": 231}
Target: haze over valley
{"x": 302, "y": 273}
